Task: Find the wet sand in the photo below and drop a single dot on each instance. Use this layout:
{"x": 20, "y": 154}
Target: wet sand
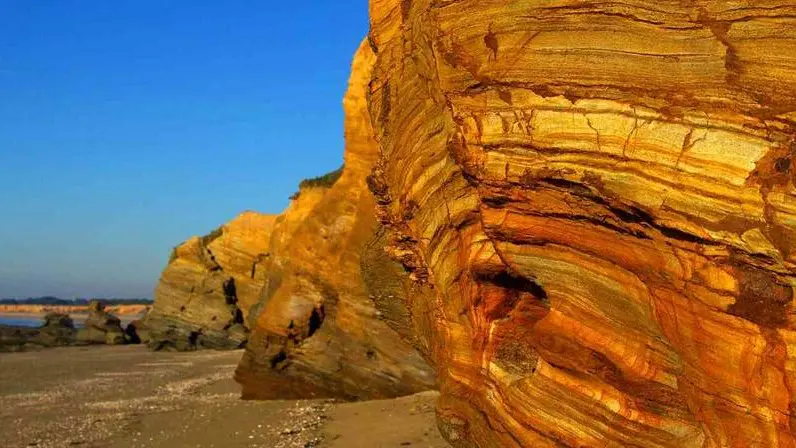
{"x": 126, "y": 396}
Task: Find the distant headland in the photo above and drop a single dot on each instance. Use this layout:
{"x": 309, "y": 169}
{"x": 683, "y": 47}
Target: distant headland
{"x": 47, "y": 304}
{"x": 51, "y": 300}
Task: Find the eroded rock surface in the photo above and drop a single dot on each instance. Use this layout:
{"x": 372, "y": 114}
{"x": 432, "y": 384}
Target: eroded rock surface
{"x": 57, "y": 330}
{"x": 100, "y": 327}
{"x": 596, "y": 203}
{"x": 205, "y": 292}
{"x": 317, "y": 331}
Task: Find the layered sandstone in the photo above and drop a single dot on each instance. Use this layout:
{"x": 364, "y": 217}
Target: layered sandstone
{"x": 285, "y": 226}
{"x": 596, "y": 204}
{"x": 317, "y": 331}
{"x": 209, "y": 285}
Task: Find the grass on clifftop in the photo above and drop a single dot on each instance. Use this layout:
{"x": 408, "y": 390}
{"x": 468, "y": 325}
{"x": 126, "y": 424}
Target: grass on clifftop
{"x": 212, "y": 236}
{"x": 325, "y": 181}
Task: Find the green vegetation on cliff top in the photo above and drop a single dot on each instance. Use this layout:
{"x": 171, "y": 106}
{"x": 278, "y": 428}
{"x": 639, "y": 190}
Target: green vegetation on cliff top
{"x": 325, "y": 181}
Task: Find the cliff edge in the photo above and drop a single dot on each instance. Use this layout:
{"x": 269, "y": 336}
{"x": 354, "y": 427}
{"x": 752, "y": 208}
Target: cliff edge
{"x": 318, "y": 332}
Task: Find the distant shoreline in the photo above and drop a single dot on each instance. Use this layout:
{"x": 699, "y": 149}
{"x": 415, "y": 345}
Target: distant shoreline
{"x": 119, "y": 310}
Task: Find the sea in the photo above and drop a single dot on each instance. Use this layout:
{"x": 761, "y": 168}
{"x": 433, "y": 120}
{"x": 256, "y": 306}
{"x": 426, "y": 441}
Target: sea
{"x": 37, "y": 320}
{"x": 21, "y": 321}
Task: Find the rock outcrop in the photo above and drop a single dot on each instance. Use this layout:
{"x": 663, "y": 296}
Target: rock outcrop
{"x": 209, "y": 285}
{"x": 101, "y": 327}
{"x": 57, "y": 330}
{"x": 596, "y": 204}
{"x": 317, "y": 331}
{"x": 301, "y": 206}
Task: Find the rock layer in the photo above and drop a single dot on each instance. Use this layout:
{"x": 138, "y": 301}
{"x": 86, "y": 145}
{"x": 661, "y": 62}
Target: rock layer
{"x": 318, "y": 332}
{"x": 209, "y": 285}
{"x": 596, "y": 203}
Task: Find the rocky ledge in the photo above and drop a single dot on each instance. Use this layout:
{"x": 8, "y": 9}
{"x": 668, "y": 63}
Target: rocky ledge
{"x": 58, "y": 330}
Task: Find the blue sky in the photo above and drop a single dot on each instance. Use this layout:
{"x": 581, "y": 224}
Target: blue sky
{"x": 127, "y": 126}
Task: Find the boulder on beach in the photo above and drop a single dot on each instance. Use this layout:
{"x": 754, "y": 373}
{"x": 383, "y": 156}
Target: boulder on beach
{"x": 57, "y": 330}
{"x": 58, "y": 320}
{"x": 101, "y": 327}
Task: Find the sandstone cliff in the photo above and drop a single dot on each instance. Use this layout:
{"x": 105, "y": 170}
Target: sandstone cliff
{"x": 301, "y": 205}
{"x": 205, "y": 292}
{"x": 318, "y": 332}
{"x": 596, "y": 203}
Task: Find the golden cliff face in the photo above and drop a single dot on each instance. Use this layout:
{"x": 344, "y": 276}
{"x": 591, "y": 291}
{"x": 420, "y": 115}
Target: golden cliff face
{"x": 596, "y": 203}
{"x": 317, "y": 331}
{"x": 210, "y": 284}
{"x": 279, "y": 240}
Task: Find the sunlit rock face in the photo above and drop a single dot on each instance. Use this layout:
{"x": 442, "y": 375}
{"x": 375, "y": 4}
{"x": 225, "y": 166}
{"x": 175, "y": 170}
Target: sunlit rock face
{"x": 209, "y": 285}
{"x": 596, "y": 204}
{"x": 316, "y": 331}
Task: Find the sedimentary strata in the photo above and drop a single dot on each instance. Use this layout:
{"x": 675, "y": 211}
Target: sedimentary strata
{"x": 205, "y": 292}
{"x": 317, "y": 331}
{"x": 595, "y": 201}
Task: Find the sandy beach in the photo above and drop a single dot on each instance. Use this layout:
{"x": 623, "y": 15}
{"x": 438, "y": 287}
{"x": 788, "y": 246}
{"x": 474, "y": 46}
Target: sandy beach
{"x": 126, "y": 396}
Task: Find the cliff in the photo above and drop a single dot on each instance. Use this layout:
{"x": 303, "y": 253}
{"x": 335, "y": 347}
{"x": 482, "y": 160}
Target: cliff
{"x": 317, "y": 331}
{"x": 209, "y": 285}
{"x": 285, "y": 226}
{"x": 596, "y": 204}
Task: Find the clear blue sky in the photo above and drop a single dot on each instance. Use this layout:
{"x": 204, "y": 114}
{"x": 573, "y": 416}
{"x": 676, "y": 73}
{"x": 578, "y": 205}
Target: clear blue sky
{"x": 127, "y": 126}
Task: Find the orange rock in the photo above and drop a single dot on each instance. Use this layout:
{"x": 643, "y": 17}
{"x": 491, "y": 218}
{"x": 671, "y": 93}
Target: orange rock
{"x": 317, "y": 331}
{"x": 596, "y": 203}
{"x": 209, "y": 285}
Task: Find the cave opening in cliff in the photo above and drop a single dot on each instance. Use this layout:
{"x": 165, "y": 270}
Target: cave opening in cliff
{"x": 514, "y": 282}
{"x": 193, "y": 338}
{"x": 316, "y": 320}
{"x": 237, "y": 318}
{"x": 230, "y": 292}
{"x": 278, "y": 358}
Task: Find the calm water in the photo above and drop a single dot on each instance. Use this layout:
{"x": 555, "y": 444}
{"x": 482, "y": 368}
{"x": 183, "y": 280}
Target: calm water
{"x": 21, "y": 321}
{"x": 34, "y": 320}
